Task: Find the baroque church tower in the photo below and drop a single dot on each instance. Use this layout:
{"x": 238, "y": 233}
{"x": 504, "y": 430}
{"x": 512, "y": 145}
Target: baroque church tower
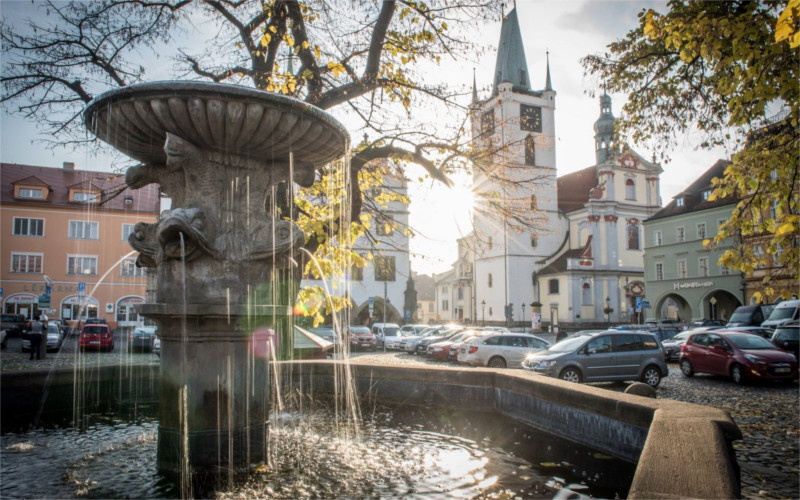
{"x": 516, "y": 219}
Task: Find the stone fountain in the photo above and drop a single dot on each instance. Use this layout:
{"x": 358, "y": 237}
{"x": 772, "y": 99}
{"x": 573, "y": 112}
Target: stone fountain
{"x": 225, "y": 257}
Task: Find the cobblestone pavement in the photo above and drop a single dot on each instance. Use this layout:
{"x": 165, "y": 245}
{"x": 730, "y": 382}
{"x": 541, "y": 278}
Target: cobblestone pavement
{"x": 767, "y": 414}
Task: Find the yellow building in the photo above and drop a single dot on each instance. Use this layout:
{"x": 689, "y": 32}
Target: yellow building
{"x": 66, "y": 231}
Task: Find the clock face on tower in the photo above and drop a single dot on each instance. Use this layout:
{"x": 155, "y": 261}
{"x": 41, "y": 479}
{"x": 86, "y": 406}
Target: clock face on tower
{"x": 530, "y": 118}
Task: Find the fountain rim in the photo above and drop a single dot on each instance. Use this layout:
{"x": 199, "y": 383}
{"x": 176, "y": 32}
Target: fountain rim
{"x": 179, "y": 88}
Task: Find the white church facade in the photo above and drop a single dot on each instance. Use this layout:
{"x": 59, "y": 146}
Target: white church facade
{"x": 572, "y": 243}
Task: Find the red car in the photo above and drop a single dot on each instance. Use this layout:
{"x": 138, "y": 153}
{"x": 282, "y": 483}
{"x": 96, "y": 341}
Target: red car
{"x": 742, "y": 356}
{"x": 441, "y": 349}
{"x": 96, "y": 337}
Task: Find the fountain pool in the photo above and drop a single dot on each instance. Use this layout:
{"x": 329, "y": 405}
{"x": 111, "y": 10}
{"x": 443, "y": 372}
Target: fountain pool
{"x": 110, "y": 450}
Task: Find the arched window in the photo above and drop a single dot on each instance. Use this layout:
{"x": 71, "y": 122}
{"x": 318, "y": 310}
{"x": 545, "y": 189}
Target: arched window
{"x": 633, "y": 237}
{"x": 586, "y": 294}
{"x": 552, "y": 287}
{"x": 490, "y": 242}
{"x": 533, "y": 202}
{"x": 534, "y": 241}
{"x": 630, "y": 189}
{"x": 490, "y": 280}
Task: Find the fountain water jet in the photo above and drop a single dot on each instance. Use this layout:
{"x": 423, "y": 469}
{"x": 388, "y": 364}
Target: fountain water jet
{"x": 223, "y": 154}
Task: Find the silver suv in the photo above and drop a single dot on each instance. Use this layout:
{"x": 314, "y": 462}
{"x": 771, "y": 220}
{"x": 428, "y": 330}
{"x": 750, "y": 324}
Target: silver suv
{"x": 604, "y": 356}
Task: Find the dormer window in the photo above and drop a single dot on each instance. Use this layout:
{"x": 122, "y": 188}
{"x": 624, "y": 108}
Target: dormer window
{"x": 679, "y": 202}
{"x": 129, "y": 201}
{"x": 32, "y": 194}
{"x": 706, "y": 194}
{"x": 86, "y": 196}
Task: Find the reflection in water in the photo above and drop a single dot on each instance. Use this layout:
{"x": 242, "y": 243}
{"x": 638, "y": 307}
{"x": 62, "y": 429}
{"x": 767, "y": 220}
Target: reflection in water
{"x": 408, "y": 452}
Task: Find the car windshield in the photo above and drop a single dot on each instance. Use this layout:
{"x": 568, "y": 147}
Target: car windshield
{"x": 359, "y": 330}
{"x": 782, "y": 313}
{"x": 95, "y": 329}
{"x": 749, "y": 341}
{"x": 741, "y": 316}
{"x": 568, "y": 344}
{"x": 392, "y": 331}
{"x": 681, "y": 337}
{"x": 53, "y": 329}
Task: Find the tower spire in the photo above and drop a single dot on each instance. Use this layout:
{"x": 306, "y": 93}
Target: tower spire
{"x": 548, "y": 84}
{"x": 474, "y": 88}
{"x": 511, "y": 65}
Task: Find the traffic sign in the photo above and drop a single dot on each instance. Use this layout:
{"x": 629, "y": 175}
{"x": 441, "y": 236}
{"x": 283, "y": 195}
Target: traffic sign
{"x": 645, "y": 304}
{"x": 638, "y": 304}
{"x": 82, "y": 287}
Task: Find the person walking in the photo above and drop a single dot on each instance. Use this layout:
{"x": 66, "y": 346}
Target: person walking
{"x": 35, "y": 336}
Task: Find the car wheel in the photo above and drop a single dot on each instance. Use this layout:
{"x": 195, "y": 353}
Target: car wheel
{"x": 571, "y": 375}
{"x": 497, "y": 362}
{"x": 686, "y": 368}
{"x": 737, "y": 374}
{"x": 651, "y": 376}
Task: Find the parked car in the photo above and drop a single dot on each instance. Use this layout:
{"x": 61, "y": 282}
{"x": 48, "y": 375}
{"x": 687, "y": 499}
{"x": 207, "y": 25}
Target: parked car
{"x": 61, "y": 326}
{"x": 742, "y": 356}
{"x": 500, "y": 350}
{"x": 441, "y": 348}
{"x": 13, "y": 324}
{"x": 672, "y": 347}
{"x": 361, "y": 337}
{"x": 706, "y": 322}
{"x": 157, "y": 346}
{"x": 387, "y": 334}
{"x": 53, "y": 339}
{"x": 95, "y": 321}
{"x": 755, "y": 330}
{"x": 409, "y": 344}
{"x": 3, "y": 337}
{"x": 96, "y": 336}
{"x": 422, "y": 346}
{"x": 605, "y": 356}
{"x": 787, "y": 336}
{"x": 409, "y": 330}
{"x": 750, "y": 315}
{"x": 784, "y": 312}
{"x": 663, "y": 323}
{"x": 142, "y": 338}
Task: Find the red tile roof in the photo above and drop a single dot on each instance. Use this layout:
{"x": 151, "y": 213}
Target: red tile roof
{"x": 112, "y": 185}
{"x": 573, "y": 189}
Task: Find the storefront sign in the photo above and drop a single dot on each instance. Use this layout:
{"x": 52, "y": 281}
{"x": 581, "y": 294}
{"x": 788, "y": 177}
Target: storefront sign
{"x": 79, "y": 301}
{"x": 693, "y": 284}
{"x": 22, "y": 298}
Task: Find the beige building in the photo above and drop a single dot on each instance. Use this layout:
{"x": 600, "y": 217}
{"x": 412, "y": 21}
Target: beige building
{"x": 66, "y": 231}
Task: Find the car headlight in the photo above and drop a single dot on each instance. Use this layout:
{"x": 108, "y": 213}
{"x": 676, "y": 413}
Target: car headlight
{"x": 547, "y": 363}
{"x": 754, "y": 359}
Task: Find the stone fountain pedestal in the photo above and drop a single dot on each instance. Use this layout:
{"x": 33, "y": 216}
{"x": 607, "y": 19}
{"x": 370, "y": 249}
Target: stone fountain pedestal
{"x": 227, "y": 256}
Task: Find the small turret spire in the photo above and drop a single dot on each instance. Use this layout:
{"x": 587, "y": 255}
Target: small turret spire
{"x": 474, "y": 88}
{"x": 548, "y": 84}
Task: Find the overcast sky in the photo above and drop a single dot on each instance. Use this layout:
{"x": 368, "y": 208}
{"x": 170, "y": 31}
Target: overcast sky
{"x": 569, "y": 29}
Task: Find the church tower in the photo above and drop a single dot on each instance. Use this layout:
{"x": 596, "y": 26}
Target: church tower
{"x": 516, "y": 219}
{"x": 604, "y": 143}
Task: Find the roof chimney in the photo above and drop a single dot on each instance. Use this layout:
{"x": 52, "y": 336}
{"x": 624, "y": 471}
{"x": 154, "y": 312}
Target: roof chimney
{"x": 69, "y": 165}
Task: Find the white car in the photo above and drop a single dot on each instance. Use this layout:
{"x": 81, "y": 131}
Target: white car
{"x": 409, "y": 344}
{"x": 500, "y": 350}
{"x": 387, "y": 334}
{"x": 52, "y": 341}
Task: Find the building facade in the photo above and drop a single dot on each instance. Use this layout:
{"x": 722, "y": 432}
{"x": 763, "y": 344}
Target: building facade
{"x": 377, "y": 290}
{"x": 683, "y": 278}
{"x": 66, "y": 231}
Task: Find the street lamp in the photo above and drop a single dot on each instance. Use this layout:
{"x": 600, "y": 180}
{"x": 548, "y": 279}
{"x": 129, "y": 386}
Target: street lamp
{"x": 483, "y": 308}
{"x": 608, "y": 310}
{"x": 523, "y": 314}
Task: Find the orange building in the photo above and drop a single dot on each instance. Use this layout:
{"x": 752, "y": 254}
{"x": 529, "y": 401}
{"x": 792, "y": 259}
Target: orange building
{"x": 66, "y": 231}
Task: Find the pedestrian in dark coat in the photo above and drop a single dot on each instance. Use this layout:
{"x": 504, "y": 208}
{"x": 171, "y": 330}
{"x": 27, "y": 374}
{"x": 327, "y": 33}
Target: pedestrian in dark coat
{"x": 35, "y": 336}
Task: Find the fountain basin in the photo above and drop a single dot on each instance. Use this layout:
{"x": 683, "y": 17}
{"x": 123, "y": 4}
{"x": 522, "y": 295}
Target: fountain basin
{"x": 681, "y": 450}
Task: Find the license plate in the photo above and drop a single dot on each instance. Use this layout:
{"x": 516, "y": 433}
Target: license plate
{"x": 365, "y": 344}
{"x": 94, "y": 342}
{"x": 782, "y": 370}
